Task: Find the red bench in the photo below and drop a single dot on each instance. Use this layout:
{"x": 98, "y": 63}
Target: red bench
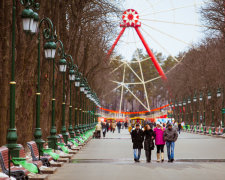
{"x": 35, "y": 154}
{"x": 15, "y": 171}
{"x": 61, "y": 140}
{"x": 23, "y": 155}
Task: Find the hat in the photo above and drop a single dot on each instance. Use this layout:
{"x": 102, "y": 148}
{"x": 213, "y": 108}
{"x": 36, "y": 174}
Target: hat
{"x": 169, "y": 124}
{"x": 137, "y": 125}
{"x": 158, "y": 123}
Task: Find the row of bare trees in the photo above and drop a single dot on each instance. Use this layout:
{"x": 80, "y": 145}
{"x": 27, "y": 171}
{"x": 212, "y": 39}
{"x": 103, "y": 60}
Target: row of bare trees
{"x": 202, "y": 68}
{"x": 84, "y": 27}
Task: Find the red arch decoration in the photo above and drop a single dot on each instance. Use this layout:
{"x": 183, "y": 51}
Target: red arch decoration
{"x": 140, "y": 112}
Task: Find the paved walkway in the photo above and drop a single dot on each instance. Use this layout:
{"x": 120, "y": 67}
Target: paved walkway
{"x": 197, "y": 157}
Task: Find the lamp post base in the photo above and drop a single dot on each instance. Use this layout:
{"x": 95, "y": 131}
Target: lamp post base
{"x": 64, "y": 134}
{"x": 38, "y": 140}
{"x": 70, "y": 129}
{"x": 52, "y": 139}
{"x": 13, "y": 147}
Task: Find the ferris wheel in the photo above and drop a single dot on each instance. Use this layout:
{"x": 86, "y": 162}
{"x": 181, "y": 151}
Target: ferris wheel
{"x": 167, "y": 26}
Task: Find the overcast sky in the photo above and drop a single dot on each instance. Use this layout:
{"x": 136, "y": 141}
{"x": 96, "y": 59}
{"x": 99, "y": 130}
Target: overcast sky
{"x": 168, "y": 38}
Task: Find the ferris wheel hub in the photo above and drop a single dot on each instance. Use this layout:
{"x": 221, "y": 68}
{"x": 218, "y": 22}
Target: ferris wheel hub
{"x": 130, "y": 18}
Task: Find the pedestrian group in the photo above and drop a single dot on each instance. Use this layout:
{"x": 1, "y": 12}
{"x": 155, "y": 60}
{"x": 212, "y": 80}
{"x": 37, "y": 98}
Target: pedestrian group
{"x": 160, "y": 135}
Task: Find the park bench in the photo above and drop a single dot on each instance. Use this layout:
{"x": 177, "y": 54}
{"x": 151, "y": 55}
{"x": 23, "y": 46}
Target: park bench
{"x": 219, "y": 131}
{"x": 198, "y": 129}
{"x": 202, "y": 129}
{"x": 207, "y": 130}
{"x": 61, "y": 140}
{"x": 216, "y": 131}
{"x": 15, "y": 171}
{"x": 35, "y": 154}
{"x": 213, "y": 130}
{"x": 38, "y": 163}
{"x": 69, "y": 145}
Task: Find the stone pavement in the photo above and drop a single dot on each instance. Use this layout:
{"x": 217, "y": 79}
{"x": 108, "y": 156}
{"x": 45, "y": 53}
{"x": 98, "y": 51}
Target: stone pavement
{"x": 197, "y": 157}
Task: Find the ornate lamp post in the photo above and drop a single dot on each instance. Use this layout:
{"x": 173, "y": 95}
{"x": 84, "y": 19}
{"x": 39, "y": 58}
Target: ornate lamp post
{"x": 52, "y": 139}
{"x": 180, "y": 111}
{"x": 49, "y": 49}
{"x": 77, "y": 85}
{"x": 188, "y": 107}
{"x": 209, "y": 98}
{"x": 27, "y": 18}
{"x": 184, "y": 105}
{"x": 197, "y": 113}
{"x": 200, "y": 100}
{"x": 62, "y": 69}
{"x": 72, "y": 79}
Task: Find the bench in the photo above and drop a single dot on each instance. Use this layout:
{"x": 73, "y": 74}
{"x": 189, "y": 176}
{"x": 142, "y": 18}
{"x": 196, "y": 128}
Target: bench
{"x": 23, "y": 155}
{"x": 15, "y": 171}
{"x": 35, "y": 154}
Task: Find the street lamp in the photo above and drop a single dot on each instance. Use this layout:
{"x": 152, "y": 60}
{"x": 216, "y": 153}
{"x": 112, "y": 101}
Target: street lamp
{"x": 218, "y": 94}
{"x": 50, "y": 49}
{"x": 77, "y": 81}
{"x": 27, "y": 18}
{"x": 62, "y": 65}
{"x": 77, "y": 85}
{"x": 12, "y": 133}
{"x": 72, "y": 78}
{"x": 209, "y": 95}
{"x": 82, "y": 86}
{"x": 195, "y": 98}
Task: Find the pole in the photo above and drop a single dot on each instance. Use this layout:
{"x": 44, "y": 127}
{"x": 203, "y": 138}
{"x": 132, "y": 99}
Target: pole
{"x": 222, "y": 109}
{"x": 70, "y": 114}
{"x": 115, "y": 43}
{"x": 38, "y": 132}
{"x": 52, "y": 138}
{"x": 155, "y": 62}
{"x": 63, "y": 129}
{"x": 75, "y": 111}
{"x": 12, "y": 133}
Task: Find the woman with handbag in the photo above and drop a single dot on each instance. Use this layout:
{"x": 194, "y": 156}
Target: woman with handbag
{"x": 149, "y": 136}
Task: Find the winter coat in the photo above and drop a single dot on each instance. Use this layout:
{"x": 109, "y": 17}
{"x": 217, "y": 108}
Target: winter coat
{"x": 170, "y": 135}
{"x": 104, "y": 127}
{"x": 113, "y": 125}
{"x": 98, "y": 127}
{"x": 159, "y": 136}
{"x": 119, "y": 125}
{"x": 137, "y": 139}
{"x": 148, "y": 142}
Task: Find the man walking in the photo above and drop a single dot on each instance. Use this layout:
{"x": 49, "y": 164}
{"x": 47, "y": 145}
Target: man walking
{"x": 119, "y": 126}
{"x": 137, "y": 136}
{"x": 170, "y": 136}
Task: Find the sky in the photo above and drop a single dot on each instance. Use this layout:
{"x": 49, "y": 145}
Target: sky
{"x": 179, "y": 34}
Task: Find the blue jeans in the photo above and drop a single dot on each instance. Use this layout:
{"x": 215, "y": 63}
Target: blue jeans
{"x": 137, "y": 154}
{"x": 118, "y": 130}
{"x": 170, "y": 149}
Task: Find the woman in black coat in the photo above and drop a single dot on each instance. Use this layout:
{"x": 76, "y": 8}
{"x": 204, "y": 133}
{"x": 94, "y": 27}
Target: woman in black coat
{"x": 149, "y": 136}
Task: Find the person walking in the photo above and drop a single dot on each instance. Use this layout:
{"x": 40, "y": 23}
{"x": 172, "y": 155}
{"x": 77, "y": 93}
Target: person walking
{"x": 137, "y": 136}
{"x": 149, "y": 136}
{"x": 170, "y": 136}
{"x": 159, "y": 141}
{"x": 107, "y": 126}
{"x": 119, "y": 126}
{"x": 104, "y": 129}
{"x": 179, "y": 127}
{"x": 113, "y": 126}
{"x": 98, "y": 129}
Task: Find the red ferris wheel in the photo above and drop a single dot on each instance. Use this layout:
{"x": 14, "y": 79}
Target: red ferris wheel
{"x": 130, "y": 19}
